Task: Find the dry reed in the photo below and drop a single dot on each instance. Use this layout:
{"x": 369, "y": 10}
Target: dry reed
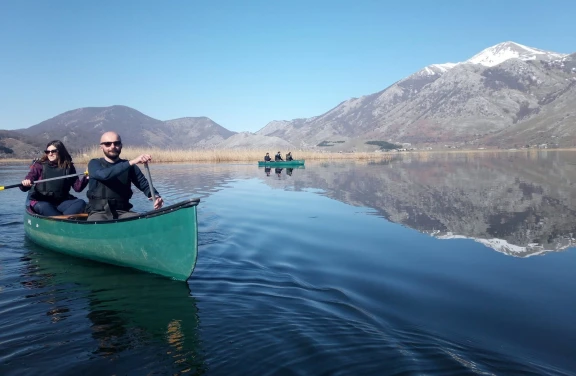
{"x": 215, "y": 156}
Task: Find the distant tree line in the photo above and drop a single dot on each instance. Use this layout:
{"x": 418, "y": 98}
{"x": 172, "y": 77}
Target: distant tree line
{"x": 5, "y": 150}
{"x": 384, "y": 145}
{"x": 330, "y": 143}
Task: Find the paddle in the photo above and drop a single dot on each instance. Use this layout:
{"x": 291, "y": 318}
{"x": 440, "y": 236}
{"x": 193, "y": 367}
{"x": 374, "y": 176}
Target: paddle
{"x": 149, "y": 177}
{"x": 44, "y": 180}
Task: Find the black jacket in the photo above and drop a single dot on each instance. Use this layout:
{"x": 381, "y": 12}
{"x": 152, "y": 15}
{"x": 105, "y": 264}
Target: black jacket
{"x": 110, "y": 183}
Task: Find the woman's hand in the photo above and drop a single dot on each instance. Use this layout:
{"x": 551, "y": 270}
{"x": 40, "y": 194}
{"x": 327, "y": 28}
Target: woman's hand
{"x": 27, "y": 183}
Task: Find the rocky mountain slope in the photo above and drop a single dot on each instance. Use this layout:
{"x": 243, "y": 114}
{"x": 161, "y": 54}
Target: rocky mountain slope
{"x": 504, "y": 90}
{"x": 14, "y": 144}
{"x": 508, "y": 95}
{"x": 82, "y": 128}
{"x": 198, "y": 132}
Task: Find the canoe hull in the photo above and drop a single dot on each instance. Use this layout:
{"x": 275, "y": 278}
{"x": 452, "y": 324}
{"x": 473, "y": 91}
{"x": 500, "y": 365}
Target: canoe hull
{"x": 296, "y": 162}
{"x": 163, "y": 242}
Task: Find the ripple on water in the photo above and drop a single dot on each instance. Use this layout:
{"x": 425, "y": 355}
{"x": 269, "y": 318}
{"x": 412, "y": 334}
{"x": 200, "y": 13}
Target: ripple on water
{"x": 287, "y": 282}
{"x": 307, "y": 329}
{"x": 96, "y": 316}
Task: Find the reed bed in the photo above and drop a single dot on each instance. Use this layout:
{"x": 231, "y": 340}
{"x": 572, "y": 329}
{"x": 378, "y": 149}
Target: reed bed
{"x": 215, "y": 156}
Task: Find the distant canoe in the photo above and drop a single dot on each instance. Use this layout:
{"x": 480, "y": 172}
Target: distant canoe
{"x": 163, "y": 241}
{"x": 295, "y": 162}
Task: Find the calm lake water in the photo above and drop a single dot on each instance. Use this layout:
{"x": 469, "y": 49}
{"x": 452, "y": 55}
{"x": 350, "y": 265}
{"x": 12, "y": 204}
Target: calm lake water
{"x": 439, "y": 265}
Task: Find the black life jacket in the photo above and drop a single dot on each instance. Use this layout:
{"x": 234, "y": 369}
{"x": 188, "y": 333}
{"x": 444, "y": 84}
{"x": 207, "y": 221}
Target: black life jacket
{"x": 267, "y": 158}
{"x": 54, "y": 191}
{"x": 289, "y": 158}
{"x": 115, "y": 192}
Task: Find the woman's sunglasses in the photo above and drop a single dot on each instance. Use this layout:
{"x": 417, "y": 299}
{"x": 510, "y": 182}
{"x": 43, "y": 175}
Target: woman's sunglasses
{"x": 51, "y": 151}
{"x": 108, "y": 144}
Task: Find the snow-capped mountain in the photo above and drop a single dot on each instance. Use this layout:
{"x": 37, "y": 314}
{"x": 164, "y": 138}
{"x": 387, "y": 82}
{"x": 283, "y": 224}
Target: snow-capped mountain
{"x": 495, "y": 55}
{"x": 435, "y": 69}
{"x": 505, "y": 95}
{"x": 501, "y": 52}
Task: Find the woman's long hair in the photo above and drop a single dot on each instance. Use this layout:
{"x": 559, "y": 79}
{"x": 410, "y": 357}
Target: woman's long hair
{"x": 64, "y": 159}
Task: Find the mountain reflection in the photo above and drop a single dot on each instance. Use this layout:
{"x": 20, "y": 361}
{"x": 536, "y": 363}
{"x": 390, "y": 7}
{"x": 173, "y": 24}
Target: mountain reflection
{"x": 521, "y": 203}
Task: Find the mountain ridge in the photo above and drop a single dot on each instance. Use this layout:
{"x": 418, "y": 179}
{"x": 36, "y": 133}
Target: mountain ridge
{"x": 464, "y": 104}
{"x": 504, "y": 96}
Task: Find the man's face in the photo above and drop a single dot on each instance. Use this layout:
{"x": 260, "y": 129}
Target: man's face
{"x": 111, "y": 145}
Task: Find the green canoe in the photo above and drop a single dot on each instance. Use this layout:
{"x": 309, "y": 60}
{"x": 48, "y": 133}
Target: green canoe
{"x": 163, "y": 241}
{"x": 295, "y": 162}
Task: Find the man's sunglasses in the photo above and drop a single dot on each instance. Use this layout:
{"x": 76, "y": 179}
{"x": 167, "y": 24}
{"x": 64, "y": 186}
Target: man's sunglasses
{"x": 51, "y": 151}
{"x": 108, "y": 144}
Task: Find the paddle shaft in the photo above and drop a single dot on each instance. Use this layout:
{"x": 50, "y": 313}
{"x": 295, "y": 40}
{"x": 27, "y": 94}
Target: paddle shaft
{"x": 149, "y": 177}
{"x": 44, "y": 180}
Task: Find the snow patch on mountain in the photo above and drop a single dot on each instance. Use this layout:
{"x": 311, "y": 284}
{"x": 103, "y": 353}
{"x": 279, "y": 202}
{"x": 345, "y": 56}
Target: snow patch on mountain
{"x": 501, "y": 52}
{"x": 444, "y": 67}
{"x": 435, "y": 69}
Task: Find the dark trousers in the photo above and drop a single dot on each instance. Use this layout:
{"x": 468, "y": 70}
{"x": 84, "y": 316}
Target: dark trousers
{"x": 107, "y": 215}
{"x": 68, "y": 207}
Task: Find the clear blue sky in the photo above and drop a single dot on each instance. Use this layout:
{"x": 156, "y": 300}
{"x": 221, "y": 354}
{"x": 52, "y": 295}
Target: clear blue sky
{"x": 244, "y": 63}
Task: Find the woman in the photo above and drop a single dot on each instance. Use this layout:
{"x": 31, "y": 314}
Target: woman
{"x": 53, "y": 197}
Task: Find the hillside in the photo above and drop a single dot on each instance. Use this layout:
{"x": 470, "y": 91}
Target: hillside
{"x": 508, "y": 95}
{"x": 506, "y": 90}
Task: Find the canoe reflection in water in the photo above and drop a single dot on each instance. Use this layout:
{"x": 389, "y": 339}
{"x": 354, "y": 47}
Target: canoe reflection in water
{"x": 278, "y": 171}
{"x": 137, "y": 320}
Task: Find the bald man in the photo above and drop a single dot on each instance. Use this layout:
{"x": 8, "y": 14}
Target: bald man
{"x": 111, "y": 179}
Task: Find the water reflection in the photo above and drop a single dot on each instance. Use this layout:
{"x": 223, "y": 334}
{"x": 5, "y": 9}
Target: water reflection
{"x": 279, "y": 171}
{"x": 126, "y": 310}
{"x": 520, "y": 204}
{"x": 517, "y": 204}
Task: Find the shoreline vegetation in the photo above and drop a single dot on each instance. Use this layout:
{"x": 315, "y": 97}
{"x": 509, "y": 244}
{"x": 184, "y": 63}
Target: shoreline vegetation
{"x": 223, "y": 155}
{"x": 228, "y": 155}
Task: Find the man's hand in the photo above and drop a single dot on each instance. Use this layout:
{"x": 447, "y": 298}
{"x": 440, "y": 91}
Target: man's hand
{"x": 27, "y": 183}
{"x": 158, "y": 203}
{"x": 144, "y": 158}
